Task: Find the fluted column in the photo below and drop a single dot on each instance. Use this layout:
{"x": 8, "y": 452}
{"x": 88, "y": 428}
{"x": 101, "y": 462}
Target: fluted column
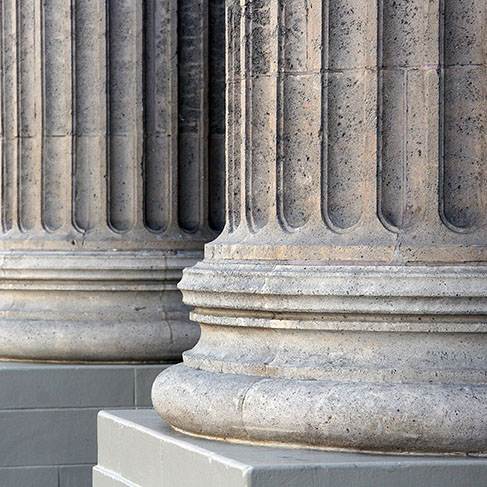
{"x": 344, "y": 304}
{"x": 105, "y": 143}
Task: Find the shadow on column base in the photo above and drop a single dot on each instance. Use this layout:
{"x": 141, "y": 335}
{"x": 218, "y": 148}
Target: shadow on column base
{"x": 96, "y": 341}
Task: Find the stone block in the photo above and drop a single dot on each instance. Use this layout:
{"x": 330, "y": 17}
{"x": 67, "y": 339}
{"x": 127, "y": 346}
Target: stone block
{"x": 29, "y": 477}
{"x": 54, "y": 385}
{"x": 48, "y": 417}
{"x": 75, "y": 476}
{"x": 136, "y": 447}
{"x": 48, "y": 437}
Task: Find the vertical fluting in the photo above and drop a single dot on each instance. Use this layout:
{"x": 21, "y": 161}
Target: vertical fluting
{"x": 193, "y": 116}
{"x": 408, "y": 156}
{"x": 9, "y": 112}
{"x": 358, "y": 120}
{"x": 161, "y": 117}
{"x": 464, "y": 114}
{"x": 2, "y": 105}
{"x": 57, "y": 114}
{"x": 107, "y": 144}
{"x": 105, "y": 120}
{"x": 349, "y": 111}
{"x": 216, "y": 114}
{"x": 31, "y": 110}
{"x": 260, "y": 23}
{"x": 125, "y": 110}
{"x": 233, "y": 136}
{"x": 298, "y": 121}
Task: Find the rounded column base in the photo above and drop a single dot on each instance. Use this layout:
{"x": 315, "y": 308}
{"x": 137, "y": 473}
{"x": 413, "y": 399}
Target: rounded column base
{"x": 94, "y": 306}
{"x": 371, "y": 358}
{"x": 365, "y": 416}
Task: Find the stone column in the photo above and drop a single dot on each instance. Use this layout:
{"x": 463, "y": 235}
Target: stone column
{"x": 344, "y": 304}
{"x": 105, "y": 143}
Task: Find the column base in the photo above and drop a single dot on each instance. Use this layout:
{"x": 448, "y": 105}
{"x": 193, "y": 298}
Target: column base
{"x": 367, "y": 358}
{"x": 139, "y": 448}
{"x": 361, "y": 416}
{"x": 48, "y": 417}
{"x": 94, "y": 306}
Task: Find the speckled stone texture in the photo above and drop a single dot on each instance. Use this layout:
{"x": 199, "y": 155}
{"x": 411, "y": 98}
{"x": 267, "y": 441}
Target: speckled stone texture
{"x": 344, "y": 303}
{"x": 107, "y": 143}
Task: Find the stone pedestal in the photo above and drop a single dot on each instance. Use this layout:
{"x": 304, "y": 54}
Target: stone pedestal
{"x": 138, "y": 448}
{"x": 344, "y": 304}
{"x": 106, "y": 146}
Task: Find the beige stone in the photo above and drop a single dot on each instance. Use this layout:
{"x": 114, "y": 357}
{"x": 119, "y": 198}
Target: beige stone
{"x": 106, "y": 146}
{"x": 344, "y": 304}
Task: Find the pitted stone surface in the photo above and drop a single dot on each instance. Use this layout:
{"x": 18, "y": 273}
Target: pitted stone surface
{"x": 106, "y": 146}
{"x": 344, "y": 303}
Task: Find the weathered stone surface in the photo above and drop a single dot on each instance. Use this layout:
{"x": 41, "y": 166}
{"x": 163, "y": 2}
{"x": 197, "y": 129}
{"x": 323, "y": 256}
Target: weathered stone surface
{"x": 344, "y": 303}
{"x": 98, "y": 306}
{"x": 105, "y": 155}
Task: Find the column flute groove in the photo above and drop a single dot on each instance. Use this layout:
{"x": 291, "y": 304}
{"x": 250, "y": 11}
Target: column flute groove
{"x": 464, "y": 101}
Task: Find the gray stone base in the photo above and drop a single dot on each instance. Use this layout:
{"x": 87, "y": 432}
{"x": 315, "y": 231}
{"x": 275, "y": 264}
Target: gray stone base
{"x": 48, "y": 417}
{"x": 138, "y": 448}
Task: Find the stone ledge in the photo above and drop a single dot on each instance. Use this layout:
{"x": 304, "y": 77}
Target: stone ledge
{"x": 138, "y": 448}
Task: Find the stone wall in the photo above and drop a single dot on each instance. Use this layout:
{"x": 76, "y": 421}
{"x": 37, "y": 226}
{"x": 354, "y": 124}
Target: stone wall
{"x": 48, "y": 418}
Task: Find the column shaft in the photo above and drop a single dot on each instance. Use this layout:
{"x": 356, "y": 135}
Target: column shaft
{"x": 365, "y": 149}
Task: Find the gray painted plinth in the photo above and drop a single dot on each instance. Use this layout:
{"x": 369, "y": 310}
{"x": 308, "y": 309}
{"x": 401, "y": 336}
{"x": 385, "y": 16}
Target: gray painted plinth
{"x": 138, "y": 448}
{"x": 48, "y": 417}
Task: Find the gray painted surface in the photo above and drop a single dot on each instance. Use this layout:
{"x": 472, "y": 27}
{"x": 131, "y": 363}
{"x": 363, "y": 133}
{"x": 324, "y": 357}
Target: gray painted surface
{"x": 75, "y": 476}
{"x": 136, "y": 447}
{"x": 45, "y": 385}
{"x": 48, "y": 437}
{"x": 29, "y": 476}
{"x": 47, "y": 476}
{"x": 48, "y": 417}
